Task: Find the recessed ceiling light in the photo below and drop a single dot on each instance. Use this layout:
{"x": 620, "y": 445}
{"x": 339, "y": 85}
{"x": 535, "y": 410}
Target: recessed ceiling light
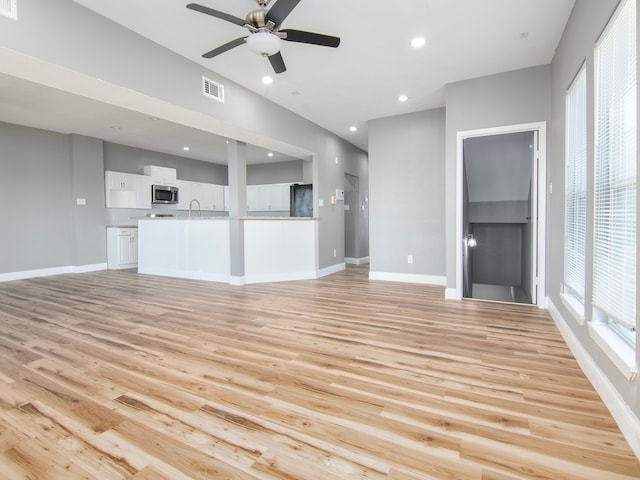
{"x": 267, "y": 79}
{"x": 353, "y": 128}
{"x": 115, "y": 127}
{"x": 418, "y": 42}
{"x": 403, "y": 98}
{"x": 270, "y": 154}
{"x": 186, "y": 148}
{"x": 153, "y": 119}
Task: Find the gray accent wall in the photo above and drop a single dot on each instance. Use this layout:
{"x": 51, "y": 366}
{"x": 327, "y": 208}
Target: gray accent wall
{"x": 38, "y": 219}
{"x": 585, "y": 24}
{"x": 122, "y": 158}
{"x": 277, "y": 172}
{"x": 407, "y": 188}
{"x": 87, "y": 179}
{"x": 497, "y": 259}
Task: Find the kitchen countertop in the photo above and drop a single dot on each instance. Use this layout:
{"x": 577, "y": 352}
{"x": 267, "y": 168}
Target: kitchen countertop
{"x": 158, "y": 219}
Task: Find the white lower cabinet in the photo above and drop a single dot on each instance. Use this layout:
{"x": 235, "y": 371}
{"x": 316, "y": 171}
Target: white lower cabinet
{"x": 122, "y": 247}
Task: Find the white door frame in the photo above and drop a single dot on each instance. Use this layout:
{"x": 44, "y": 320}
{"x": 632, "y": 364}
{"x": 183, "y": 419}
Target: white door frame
{"x": 538, "y": 199}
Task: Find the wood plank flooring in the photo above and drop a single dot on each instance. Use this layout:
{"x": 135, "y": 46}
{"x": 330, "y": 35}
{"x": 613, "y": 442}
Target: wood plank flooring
{"x": 115, "y": 375}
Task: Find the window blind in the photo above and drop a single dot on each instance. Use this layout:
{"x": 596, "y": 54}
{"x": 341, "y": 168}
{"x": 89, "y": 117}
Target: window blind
{"x": 614, "y": 287}
{"x": 576, "y": 185}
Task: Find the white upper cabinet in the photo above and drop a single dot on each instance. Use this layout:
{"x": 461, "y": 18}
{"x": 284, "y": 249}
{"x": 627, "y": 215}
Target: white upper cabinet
{"x": 127, "y": 190}
{"x": 268, "y": 198}
{"x": 185, "y": 194}
{"x": 161, "y": 175}
{"x": 143, "y": 191}
{"x": 120, "y": 181}
{"x": 210, "y": 196}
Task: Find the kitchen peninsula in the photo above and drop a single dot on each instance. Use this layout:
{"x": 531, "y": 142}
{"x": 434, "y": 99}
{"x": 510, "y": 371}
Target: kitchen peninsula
{"x": 274, "y": 248}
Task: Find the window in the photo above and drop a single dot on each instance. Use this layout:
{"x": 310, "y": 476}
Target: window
{"x": 576, "y": 192}
{"x": 614, "y": 263}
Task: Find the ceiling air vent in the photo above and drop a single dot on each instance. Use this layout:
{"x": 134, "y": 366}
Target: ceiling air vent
{"x": 9, "y": 8}
{"x": 211, "y": 89}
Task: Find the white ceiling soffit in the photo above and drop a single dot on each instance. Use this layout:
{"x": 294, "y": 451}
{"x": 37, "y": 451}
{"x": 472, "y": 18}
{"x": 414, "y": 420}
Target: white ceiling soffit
{"x": 71, "y": 102}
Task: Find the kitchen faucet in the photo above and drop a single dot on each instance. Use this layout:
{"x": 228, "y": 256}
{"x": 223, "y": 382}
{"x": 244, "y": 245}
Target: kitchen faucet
{"x": 191, "y": 203}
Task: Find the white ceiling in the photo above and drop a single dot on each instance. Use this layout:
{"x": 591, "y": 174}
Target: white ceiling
{"x": 335, "y": 88}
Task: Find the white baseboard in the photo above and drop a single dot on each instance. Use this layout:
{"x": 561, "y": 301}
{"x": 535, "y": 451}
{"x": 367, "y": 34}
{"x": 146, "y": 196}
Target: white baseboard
{"x": 323, "y": 272}
{"x": 237, "y": 281}
{"x": 90, "y": 268}
{"x": 279, "y": 277}
{"x": 165, "y": 272}
{"x": 356, "y": 261}
{"x": 45, "y": 272}
{"x": 409, "y": 278}
{"x": 627, "y": 421}
{"x": 452, "y": 294}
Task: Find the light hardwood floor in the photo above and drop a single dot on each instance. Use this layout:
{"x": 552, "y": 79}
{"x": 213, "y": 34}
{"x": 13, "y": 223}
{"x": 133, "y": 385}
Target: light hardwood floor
{"x": 114, "y": 375}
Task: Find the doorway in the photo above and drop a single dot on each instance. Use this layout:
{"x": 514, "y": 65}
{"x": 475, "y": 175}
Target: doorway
{"x": 351, "y": 195}
{"x": 501, "y": 183}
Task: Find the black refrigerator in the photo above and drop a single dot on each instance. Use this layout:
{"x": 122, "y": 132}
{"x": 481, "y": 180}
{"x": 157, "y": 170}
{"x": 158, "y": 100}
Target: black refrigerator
{"x": 301, "y": 197}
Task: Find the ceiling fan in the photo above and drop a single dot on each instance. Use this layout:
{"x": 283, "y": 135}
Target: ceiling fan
{"x": 264, "y": 31}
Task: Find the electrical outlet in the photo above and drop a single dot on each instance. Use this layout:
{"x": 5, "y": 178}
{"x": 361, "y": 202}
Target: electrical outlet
{"x": 409, "y": 259}
{"x": 335, "y": 253}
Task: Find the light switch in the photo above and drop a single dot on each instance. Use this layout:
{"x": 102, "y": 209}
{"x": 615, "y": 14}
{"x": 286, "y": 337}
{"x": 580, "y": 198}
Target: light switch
{"x": 321, "y": 203}
{"x": 81, "y": 201}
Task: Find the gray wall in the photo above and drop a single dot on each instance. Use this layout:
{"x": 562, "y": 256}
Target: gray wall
{"x": 497, "y": 259}
{"x": 37, "y": 224}
{"x": 278, "y": 172}
{"x": 64, "y": 33}
{"x": 499, "y": 167}
{"x": 122, "y": 158}
{"x": 406, "y": 158}
{"x": 87, "y": 177}
{"x": 587, "y": 21}
{"x": 527, "y": 260}
{"x": 511, "y": 98}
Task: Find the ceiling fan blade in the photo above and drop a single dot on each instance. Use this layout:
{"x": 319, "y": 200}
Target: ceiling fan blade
{"x": 215, "y": 13}
{"x": 277, "y": 62}
{"x": 312, "y": 38}
{"x": 281, "y": 10}
{"x": 223, "y": 48}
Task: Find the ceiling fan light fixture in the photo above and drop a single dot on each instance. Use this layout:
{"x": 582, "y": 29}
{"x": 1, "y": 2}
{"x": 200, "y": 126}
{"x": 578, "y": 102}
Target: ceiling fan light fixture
{"x": 263, "y": 43}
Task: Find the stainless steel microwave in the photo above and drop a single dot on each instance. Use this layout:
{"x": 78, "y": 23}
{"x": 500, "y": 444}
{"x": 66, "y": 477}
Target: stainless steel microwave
{"x": 164, "y": 194}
